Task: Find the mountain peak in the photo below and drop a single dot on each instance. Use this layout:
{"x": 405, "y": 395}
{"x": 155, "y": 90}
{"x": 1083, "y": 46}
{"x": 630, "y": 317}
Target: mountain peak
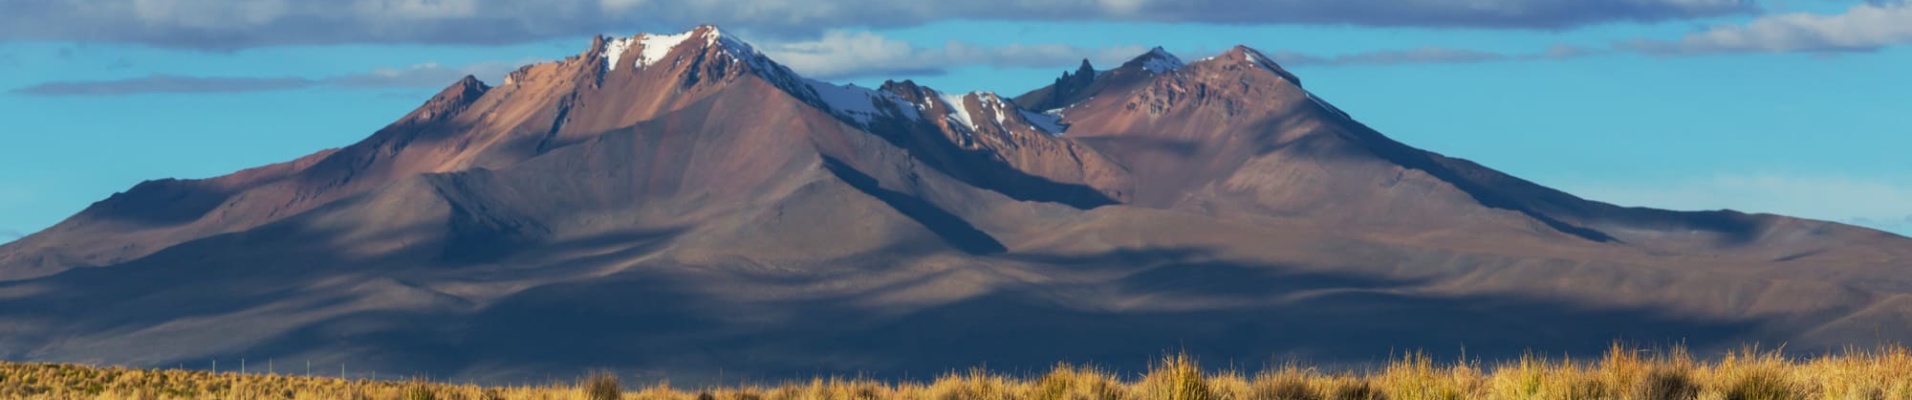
{"x": 450, "y": 101}
{"x": 705, "y": 179}
{"x": 468, "y": 83}
{"x": 646, "y": 49}
{"x": 1242, "y": 54}
{"x": 1156, "y": 60}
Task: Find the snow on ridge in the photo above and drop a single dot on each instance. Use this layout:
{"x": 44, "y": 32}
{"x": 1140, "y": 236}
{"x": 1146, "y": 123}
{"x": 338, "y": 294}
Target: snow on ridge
{"x": 1047, "y": 122}
{"x": 712, "y": 36}
{"x": 995, "y": 106}
{"x": 614, "y": 50}
{"x": 655, "y": 47}
{"x": 993, "y": 103}
{"x": 1160, "y": 61}
{"x": 1250, "y": 55}
{"x": 1258, "y": 59}
{"x": 855, "y": 103}
{"x": 861, "y": 106}
{"x": 739, "y": 50}
{"x": 658, "y": 46}
{"x": 957, "y": 110}
{"x": 1253, "y": 58}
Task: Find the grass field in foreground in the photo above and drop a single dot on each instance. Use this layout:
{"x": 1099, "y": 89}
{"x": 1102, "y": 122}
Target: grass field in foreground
{"x": 1623, "y": 373}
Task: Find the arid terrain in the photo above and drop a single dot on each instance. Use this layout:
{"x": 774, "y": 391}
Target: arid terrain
{"x": 682, "y": 207}
{"x": 1622, "y": 373}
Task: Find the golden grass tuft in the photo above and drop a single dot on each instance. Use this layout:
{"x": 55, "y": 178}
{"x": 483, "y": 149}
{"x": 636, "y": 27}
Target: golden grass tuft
{"x": 1178, "y": 377}
{"x": 1622, "y": 374}
{"x": 602, "y": 385}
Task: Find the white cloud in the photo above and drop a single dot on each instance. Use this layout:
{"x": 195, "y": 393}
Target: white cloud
{"x": 1863, "y": 27}
{"x": 1876, "y": 202}
{"x": 418, "y": 9}
{"x": 1423, "y": 55}
{"x": 234, "y": 24}
{"x": 427, "y": 75}
{"x": 844, "y": 54}
{"x": 164, "y": 83}
{"x": 205, "y": 14}
{"x": 854, "y": 54}
{"x": 837, "y": 55}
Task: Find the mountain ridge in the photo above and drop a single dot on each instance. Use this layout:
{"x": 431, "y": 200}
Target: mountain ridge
{"x": 682, "y": 202}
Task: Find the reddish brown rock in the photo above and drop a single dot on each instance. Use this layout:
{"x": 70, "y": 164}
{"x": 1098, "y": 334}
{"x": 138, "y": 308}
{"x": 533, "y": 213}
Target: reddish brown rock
{"x": 681, "y": 203}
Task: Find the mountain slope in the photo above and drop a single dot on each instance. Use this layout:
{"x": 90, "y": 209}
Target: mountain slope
{"x": 1237, "y": 135}
{"x": 678, "y": 205}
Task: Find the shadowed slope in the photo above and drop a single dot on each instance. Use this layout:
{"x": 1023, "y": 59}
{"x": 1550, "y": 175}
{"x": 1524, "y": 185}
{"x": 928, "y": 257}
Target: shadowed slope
{"x": 1236, "y": 134}
{"x": 680, "y": 203}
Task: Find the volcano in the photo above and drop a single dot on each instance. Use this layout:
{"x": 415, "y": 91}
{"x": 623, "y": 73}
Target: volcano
{"x": 683, "y": 207}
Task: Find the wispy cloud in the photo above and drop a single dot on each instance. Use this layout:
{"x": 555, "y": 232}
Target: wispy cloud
{"x": 1876, "y": 202}
{"x": 1414, "y": 56}
{"x": 1864, "y": 27}
{"x": 1425, "y": 55}
{"x": 843, "y": 54}
{"x": 428, "y": 75}
{"x": 226, "y": 24}
{"x": 161, "y": 83}
{"x": 8, "y": 235}
{"x": 1870, "y": 26}
{"x": 838, "y": 54}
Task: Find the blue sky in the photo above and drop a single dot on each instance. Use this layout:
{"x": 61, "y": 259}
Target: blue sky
{"x": 1796, "y": 107}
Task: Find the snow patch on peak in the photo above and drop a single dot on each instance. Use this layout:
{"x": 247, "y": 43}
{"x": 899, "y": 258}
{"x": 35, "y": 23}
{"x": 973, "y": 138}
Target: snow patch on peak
{"x": 994, "y": 103}
{"x": 1256, "y": 58}
{"x": 957, "y": 111}
{"x": 857, "y": 104}
{"x": 655, "y": 47}
{"x": 995, "y": 106}
{"x": 1160, "y": 61}
{"x": 735, "y": 48}
{"x": 1050, "y": 123}
{"x": 614, "y": 50}
{"x": 730, "y": 44}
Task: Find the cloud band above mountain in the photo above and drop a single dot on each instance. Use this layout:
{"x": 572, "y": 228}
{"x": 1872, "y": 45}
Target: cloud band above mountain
{"x": 844, "y": 54}
{"x": 1864, "y": 27}
{"x": 224, "y": 24}
{"x": 428, "y": 75}
{"x": 165, "y": 83}
{"x": 839, "y": 55}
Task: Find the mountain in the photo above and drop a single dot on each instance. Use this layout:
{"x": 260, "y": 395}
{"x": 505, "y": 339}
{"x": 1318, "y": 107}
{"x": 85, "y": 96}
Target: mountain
{"x": 683, "y": 207}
